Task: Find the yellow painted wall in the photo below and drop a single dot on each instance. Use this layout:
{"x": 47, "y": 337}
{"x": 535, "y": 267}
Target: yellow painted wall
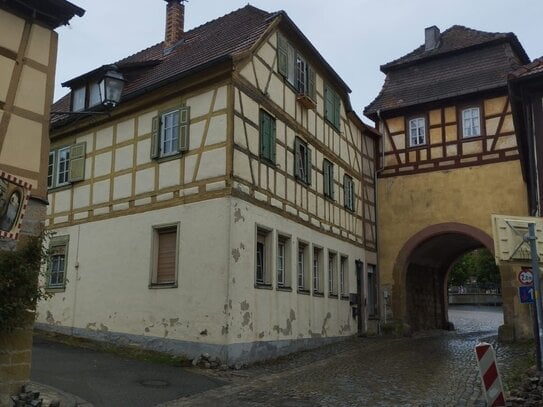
{"x": 409, "y": 204}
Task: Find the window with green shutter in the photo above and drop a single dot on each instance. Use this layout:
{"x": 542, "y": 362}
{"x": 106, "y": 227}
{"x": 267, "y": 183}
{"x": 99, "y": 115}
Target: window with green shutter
{"x": 302, "y": 161}
{"x": 293, "y": 66}
{"x": 170, "y": 132}
{"x": 267, "y": 137}
{"x": 348, "y": 192}
{"x": 66, "y": 165}
{"x": 332, "y": 105}
{"x": 328, "y": 176}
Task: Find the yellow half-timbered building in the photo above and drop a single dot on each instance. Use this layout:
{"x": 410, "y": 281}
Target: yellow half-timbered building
{"x": 226, "y": 204}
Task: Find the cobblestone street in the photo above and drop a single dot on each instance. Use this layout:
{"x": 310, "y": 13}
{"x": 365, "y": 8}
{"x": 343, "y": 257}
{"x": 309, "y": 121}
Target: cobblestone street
{"x": 436, "y": 369}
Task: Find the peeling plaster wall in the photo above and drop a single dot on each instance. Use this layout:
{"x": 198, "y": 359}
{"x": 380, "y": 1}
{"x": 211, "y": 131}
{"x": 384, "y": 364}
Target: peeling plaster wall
{"x": 264, "y": 315}
{"x": 109, "y": 291}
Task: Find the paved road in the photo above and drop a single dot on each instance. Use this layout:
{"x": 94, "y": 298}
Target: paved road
{"x": 107, "y": 380}
{"x": 435, "y": 369}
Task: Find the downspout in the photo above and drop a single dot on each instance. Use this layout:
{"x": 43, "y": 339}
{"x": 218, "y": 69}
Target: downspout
{"x": 378, "y": 266}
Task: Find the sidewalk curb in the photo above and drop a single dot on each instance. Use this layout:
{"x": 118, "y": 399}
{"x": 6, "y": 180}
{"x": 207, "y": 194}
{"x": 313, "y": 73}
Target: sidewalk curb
{"x": 49, "y": 393}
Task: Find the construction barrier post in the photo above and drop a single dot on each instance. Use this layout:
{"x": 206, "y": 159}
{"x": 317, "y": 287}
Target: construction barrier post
{"x": 490, "y": 377}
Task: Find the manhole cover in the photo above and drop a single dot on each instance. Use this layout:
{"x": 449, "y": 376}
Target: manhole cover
{"x": 154, "y": 383}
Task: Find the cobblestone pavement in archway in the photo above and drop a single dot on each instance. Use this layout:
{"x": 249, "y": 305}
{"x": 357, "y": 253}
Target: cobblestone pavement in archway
{"x": 434, "y": 369}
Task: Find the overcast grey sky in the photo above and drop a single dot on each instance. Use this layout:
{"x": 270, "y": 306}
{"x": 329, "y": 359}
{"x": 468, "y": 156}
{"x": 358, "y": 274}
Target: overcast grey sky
{"x": 354, "y": 36}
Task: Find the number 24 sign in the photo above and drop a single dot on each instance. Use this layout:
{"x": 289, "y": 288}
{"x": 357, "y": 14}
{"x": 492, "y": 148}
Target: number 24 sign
{"x": 525, "y": 276}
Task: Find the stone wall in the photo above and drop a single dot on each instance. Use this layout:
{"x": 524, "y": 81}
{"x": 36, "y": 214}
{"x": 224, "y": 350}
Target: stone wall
{"x": 16, "y": 346}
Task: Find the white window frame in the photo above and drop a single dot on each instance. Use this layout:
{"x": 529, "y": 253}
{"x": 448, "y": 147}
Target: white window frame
{"x": 302, "y": 263}
{"x": 283, "y": 262}
{"x": 173, "y": 139}
{"x": 332, "y": 273}
{"x": 343, "y": 275}
{"x": 316, "y": 276}
{"x": 56, "y": 242}
{"x": 66, "y": 172}
{"x": 51, "y": 168}
{"x": 417, "y": 131}
{"x": 473, "y": 121}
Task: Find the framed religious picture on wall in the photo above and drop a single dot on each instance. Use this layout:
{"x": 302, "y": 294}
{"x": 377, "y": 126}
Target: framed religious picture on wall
{"x": 14, "y": 194}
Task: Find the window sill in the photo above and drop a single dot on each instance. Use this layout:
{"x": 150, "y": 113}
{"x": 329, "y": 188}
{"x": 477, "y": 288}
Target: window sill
{"x": 330, "y": 295}
{"x": 318, "y": 294}
{"x": 268, "y": 162}
{"x": 162, "y": 286}
{"x": 302, "y": 181}
{"x": 55, "y": 290}
{"x": 284, "y": 288}
{"x": 168, "y": 157}
{"x": 480, "y": 136}
{"x": 418, "y": 147}
{"x": 329, "y": 198}
{"x": 345, "y": 297}
{"x": 349, "y": 209}
{"x": 263, "y": 286}
{"x": 62, "y": 187}
{"x": 303, "y": 291}
{"x": 306, "y": 101}
{"x": 332, "y": 125}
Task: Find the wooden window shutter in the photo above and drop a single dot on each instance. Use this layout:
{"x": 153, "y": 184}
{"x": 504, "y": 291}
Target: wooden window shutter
{"x": 326, "y": 178}
{"x": 272, "y": 140}
{"x": 296, "y": 158}
{"x": 282, "y": 55}
{"x": 328, "y": 103}
{"x": 264, "y": 134}
{"x": 311, "y": 80}
{"x": 337, "y": 104}
{"x": 331, "y": 181}
{"x": 77, "y": 162}
{"x": 309, "y": 166}
{"x": 166, "y": 256}
{"x": 155, "y": 139}
{"x": 346, "y": 191}
{"x": 184, "y": 127}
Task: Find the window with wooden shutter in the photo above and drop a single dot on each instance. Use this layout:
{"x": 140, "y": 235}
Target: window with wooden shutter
{"x": 184, "y": 127}
{"x": 77, "y": 162}
{"x": 170, "y": 133}
{"x": 51, "y": 170}
{"x": 165, "y": 256}
{"x": 348, "y": 192}
{"x": 267, "y": 136}
{"x": 282, "y": 55}
{"x": 332, "y": 105}
{"x": 155, "y": 139}
{"x": 302, "y": 161}
{"x": 328, "y": 176}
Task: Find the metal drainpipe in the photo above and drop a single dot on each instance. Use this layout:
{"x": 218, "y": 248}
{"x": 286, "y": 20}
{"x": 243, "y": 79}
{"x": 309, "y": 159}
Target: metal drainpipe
{"x": 376, "y": 172}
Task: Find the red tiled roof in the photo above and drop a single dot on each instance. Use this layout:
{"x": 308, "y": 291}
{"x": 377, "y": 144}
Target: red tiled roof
{"x": 219, "y": 39}
{"x": 533, "y": 68}
{"x": 466, "y": 61}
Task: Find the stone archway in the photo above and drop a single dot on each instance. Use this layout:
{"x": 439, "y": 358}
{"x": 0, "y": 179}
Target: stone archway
{"x": 421, "y": 267}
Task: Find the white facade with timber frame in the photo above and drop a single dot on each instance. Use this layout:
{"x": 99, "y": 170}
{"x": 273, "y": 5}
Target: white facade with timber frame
{"x": 205, "y": 219}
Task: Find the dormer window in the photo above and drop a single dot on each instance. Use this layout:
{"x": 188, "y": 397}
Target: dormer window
{"x": 78, "y": 99}
{"x": 103, "y": 86}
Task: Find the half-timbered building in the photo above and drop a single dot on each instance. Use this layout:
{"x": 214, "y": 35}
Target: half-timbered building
{"x": 448, "y": 160}
{"x": 224, "y": 205}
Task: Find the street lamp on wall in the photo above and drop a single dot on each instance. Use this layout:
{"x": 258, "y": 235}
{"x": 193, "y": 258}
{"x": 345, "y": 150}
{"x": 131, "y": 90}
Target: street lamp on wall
{"x": 111, "y": 88}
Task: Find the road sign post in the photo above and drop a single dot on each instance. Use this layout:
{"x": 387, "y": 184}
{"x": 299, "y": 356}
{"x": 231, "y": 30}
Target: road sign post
{"x": 538, "y": 332}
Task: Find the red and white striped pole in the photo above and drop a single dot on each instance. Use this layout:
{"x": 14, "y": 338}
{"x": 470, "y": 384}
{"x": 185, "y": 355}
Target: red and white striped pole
{"x": 492, "y": 382}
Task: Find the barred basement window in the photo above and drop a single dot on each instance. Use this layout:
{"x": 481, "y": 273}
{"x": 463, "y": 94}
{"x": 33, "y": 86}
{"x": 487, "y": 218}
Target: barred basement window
{"x": 332, "y": 274}
{"x": 318, "y": 283}
{"x": 283, "y": 262}
{"x": 303, "y": 267}
{"x": 165, "y": 256}
{"x": 263, "y": 257}
{"x": 58, "y": 251}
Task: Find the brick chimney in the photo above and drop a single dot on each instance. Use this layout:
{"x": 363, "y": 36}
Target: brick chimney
{"x": 431, "y": 38}
{"x": 175, "y": 22}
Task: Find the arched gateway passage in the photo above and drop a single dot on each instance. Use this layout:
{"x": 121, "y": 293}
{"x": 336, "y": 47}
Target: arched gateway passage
{"x": 421, "y": 270}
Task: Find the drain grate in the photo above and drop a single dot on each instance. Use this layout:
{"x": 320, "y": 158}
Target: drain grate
{"x": 154, "y": 383}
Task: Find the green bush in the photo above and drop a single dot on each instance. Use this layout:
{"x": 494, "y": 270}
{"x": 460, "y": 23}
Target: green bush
{"x": 19, "y": 290}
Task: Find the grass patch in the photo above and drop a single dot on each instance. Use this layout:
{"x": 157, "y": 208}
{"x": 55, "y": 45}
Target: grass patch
{"x": 127, "y": 351}
{"x": 520, "y": 357}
